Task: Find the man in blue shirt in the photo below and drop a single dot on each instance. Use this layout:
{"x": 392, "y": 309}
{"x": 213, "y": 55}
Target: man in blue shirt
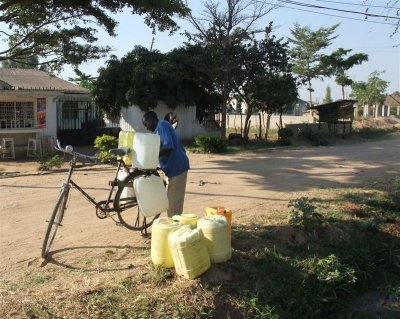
{"x": 173, "y": 160}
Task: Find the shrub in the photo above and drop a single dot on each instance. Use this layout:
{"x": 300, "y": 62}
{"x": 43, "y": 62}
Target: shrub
{"x": 372, "y": 132}
{"x": 284, "y": 135}
{"x": 303, "y": 212}
{"x": 315, "y": 138}
{"x": 103, "y": 144}
{"x": 48, "y": 160}
{"x": 211, "y": 144}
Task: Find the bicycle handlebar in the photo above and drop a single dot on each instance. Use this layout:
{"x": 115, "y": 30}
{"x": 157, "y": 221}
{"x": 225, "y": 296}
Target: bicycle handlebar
{"x": 70, "y": 150}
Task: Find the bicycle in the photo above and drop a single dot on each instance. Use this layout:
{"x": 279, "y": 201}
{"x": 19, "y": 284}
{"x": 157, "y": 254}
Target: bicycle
{"x": 124, "y": 204}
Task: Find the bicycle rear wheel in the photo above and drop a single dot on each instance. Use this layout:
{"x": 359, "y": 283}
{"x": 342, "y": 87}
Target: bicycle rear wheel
{"x": 126, "y": 206}
{"x": 55, "y": 221}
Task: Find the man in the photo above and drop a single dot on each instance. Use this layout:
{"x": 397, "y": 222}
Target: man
{"x": 173, "y": 160}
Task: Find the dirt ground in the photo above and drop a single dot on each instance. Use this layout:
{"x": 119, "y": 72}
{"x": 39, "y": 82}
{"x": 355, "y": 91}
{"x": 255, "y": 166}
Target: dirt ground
{"x": 248, "y": 183}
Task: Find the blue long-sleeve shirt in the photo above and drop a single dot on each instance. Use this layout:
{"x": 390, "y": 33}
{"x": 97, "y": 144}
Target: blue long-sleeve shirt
{"x": 176, "y": 161}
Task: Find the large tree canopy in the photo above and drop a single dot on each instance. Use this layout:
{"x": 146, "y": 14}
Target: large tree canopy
{"x": 63, "y": 31}
{"x": 143, "y": 78}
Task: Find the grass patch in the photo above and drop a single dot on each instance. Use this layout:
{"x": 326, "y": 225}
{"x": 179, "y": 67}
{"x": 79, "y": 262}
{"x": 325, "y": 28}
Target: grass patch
{"x": 377, "y": 133}
{"x": 49, "y": 160}
{"x": 252, "y": 145}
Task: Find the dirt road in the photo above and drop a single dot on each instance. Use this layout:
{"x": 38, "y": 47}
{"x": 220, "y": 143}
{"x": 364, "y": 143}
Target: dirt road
{"x": 248, "y": 183}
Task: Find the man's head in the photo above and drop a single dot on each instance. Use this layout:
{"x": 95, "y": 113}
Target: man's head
{"x": 150, "y": 120}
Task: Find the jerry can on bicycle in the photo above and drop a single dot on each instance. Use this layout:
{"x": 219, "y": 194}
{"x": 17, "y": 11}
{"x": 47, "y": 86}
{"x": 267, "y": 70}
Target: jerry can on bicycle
{"x": 127, "y": 192}
{"x": 151, "y": 195}
{"x": 125, "y": 139}
{"x": 146, "y": 148}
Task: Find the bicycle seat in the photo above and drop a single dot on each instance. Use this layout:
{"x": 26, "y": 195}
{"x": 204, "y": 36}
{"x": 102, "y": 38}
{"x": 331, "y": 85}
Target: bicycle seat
{"x": 121, "y": 151}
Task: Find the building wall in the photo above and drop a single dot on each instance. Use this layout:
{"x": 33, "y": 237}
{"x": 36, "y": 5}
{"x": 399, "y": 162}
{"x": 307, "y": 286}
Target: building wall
{"x": 237, "y": 121}
{"x": 188, "y": 126}
{"x": 21, "y": 135}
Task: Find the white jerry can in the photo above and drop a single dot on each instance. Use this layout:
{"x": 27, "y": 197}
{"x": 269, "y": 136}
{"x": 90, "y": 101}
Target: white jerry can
{"x": 151, "y": 195}
{"x": 146, "y": 148}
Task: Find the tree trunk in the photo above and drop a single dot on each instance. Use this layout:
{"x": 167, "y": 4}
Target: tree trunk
{"x": 310, "y": 92}
{"x": 262, "y": 120}
{"x": 247, "y": 124}
{"x": 267, "y": 126}
{"x": 343, "y": 91}
{"x": 234, "y": 123}
{"x": 223, "y": 116}
{"x": 241, "y": 123}
{"x": 260, "y": 128}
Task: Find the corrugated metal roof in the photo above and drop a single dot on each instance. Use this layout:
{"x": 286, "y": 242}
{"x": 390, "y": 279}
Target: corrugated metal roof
{"x": 27, "y": 79}
{"x": 392, "y": 99}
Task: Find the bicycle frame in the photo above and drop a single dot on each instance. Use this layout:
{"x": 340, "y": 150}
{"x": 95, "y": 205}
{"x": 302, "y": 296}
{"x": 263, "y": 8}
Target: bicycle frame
{"x": 102, "y": 206}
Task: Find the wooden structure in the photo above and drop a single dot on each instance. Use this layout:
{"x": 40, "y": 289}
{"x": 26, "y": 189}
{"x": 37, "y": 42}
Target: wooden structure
{"x": 338, "y": 114}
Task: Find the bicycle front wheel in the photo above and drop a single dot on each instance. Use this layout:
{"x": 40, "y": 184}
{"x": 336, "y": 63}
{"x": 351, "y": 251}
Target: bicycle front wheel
{"x": 126, "y": 206}
{"x": 55, "y": 221}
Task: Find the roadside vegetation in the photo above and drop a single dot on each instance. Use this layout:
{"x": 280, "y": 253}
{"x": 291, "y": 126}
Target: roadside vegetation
{"x": 49, "y": 160}
{"x": 372, "y": 129}
{"x": 322, "y": 258}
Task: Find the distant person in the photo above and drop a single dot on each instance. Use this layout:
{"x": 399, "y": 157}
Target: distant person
{"x": 170, "y": 117}
{"x": 173, "y": 160}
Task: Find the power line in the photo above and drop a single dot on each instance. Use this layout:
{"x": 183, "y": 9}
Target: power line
{"x": 338, "y": 16}
{"x": 358, "y": 4}
{"x": 340, "y": 10}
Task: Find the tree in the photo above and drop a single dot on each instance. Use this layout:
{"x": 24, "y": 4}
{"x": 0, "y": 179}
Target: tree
{"x": 219, "y": 29}
{"x": 275, "y": 93}
{"x": 306, "y": 53}
{"x": 31, "y": 62}
{"x": 371, "y": 92}
{"x": 339, "y": 65}
{"x": 143, "y": 78}
{"x": 83, "y": 80}
{"x": 263, "y": 79}
{"x": 63, "y": 31}
{"x": 328, "y": 97}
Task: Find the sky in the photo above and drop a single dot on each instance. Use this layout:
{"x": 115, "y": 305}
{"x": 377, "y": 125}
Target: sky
{"x": 359, "y": 35}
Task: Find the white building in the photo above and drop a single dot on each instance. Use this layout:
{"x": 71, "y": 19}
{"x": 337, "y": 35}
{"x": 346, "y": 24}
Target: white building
{"x": 28, "y": 106}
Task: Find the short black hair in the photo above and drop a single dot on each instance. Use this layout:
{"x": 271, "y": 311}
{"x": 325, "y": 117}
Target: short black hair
{"x": 150, "y": 116}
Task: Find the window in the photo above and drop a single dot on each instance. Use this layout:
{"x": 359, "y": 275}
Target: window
{"x": 16, "y": 114}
